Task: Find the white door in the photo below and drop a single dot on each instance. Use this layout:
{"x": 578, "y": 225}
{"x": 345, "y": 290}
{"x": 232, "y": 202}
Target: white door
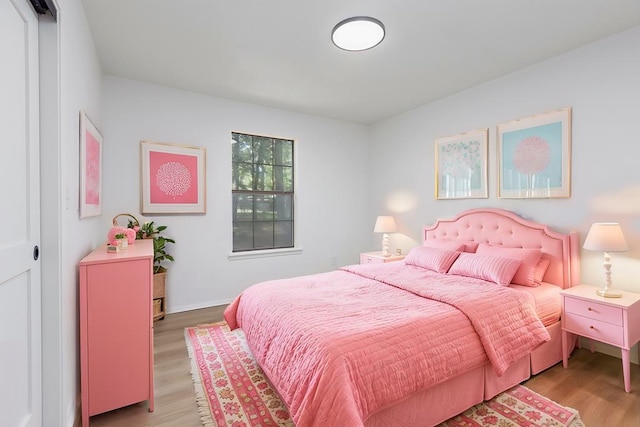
{"x": 20, "y": 343}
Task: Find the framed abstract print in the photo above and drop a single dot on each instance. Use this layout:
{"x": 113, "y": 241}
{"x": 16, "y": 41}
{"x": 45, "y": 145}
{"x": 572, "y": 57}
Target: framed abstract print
{"x": 534, "y": 156}
{"x": 90, "y": 168}
{"x": 461, "y": 165}
{"x": 173, "y": 178}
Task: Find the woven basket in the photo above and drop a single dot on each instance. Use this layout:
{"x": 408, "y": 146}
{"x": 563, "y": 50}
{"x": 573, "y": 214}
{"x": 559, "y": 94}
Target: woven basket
{"x": 134, "y": 220}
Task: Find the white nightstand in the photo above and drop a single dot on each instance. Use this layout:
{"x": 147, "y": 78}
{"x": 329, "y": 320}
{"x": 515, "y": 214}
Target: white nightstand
{"x": 614, "y": 321}
{"x": 378, "y": 258}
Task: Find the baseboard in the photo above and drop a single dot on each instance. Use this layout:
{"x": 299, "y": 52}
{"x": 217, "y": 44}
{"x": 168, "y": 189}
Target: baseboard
{"x": 207, "y": 304}
{"x": 609, "y": 349}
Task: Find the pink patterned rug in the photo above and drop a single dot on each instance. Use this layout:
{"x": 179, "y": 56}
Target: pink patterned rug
{"x": 232, "y": 391}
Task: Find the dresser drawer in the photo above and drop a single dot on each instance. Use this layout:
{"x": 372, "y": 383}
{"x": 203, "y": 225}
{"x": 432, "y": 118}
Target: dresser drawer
{"x": 366, "y": 259}
{"x": 596, "y": 329}
{"x": 594, "y": 310}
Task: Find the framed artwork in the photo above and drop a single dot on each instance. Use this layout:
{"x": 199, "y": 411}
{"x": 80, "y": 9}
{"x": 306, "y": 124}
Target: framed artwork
{"x": 534, "y": 155}
{"x": 90, "y": 168}
{"x": 173, "y": 178}
{"x": 461, "y": 165}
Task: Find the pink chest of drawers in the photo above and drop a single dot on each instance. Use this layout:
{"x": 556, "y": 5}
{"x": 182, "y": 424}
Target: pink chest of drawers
{"x": 614, "y": 321}
{"x": 116, "y": 328}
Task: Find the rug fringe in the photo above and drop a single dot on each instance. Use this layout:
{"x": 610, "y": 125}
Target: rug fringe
{"x": 201, "y": 398}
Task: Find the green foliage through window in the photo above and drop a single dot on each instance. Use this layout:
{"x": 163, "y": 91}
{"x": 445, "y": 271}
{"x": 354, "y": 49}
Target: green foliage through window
{"x": 262, "y": 192}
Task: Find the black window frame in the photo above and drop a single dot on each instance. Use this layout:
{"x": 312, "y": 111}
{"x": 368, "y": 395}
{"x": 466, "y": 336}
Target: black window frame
{"x": 264, "y": 182}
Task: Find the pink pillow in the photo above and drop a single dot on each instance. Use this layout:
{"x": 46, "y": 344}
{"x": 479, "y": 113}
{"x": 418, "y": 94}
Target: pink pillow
{"x": 435, "y": 259}
{"x": 495, "y": 269}
{"x": 451, "y": 245}
{"x": 454, "y": 245}
{"x": 541, "y": 268}
{"x": 529, "y": 257}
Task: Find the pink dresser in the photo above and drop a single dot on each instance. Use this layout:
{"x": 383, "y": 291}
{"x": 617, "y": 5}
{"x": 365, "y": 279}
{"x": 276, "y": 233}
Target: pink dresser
{"x": 116, "y": 328}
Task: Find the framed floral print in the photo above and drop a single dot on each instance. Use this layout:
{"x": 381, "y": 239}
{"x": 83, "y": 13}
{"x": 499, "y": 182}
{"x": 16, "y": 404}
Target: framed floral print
{"x": 461, "y": 165}
{"x": 90, "y": 168}
{"x": 534, "y": 156}
{"x": 173, "y": 178}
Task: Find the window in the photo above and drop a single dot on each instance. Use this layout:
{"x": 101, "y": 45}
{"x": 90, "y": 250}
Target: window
{"x": 262, "y": 191}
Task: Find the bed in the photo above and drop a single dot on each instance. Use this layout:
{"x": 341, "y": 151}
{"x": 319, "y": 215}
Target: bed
{"x": 468, "y": 314}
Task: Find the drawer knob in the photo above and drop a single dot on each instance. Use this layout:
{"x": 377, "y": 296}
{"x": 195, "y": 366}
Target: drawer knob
{"x": 589, "y": 309}
{"x": 591, "y": 327}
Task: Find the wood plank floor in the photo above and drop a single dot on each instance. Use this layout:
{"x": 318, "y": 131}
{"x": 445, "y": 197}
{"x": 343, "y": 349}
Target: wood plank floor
{"x": 592, "y": 384}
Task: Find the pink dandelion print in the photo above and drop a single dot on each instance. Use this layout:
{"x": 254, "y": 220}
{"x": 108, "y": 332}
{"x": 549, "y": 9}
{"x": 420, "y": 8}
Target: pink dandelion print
{"x": 173, "y": 178}
{"x": 532, "y": 155}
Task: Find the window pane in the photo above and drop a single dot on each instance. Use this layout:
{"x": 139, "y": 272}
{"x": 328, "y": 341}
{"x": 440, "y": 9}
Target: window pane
{"x": 283, "y": 207}
{"x": 241, "y": 149}
{"x": 263, "y": 235}
{"x": 262, "y": 150}
{"x": 263, "y": 208}
{"x": 283, "y": 178}
{"x": 243, "y": 236}
{"x": 283, "y": 152}
{"x": 242, "y": 207}
{"x": 242, "y": 176}
{"x": 283, "y": 234}
{"x": 263, "y": 178}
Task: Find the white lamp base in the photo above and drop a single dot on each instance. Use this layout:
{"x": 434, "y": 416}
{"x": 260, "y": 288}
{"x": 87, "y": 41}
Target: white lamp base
{"x": 385, "y": 245}
{"x": 608, "y": 293}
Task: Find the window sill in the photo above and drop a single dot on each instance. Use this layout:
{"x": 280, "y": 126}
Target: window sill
{"x": 235, "y": 256}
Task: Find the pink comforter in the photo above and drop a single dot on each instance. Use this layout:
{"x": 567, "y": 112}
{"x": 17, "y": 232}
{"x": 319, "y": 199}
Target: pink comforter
{"x": 340, "y": 346}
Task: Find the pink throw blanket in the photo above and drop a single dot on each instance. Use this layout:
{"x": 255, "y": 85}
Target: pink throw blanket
{"x": 340, "y": 346}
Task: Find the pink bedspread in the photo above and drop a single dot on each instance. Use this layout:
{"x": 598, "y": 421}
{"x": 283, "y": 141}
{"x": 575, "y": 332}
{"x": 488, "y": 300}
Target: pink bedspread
{"x": 340, "y": 346}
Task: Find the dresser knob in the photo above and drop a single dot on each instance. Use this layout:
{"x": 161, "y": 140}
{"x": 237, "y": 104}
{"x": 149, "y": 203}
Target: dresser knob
{"x": 591, "y": 327}
{"x": 589, "y": 309}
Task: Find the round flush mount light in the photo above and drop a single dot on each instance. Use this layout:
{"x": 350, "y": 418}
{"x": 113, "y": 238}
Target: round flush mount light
{"x": 358, "y": 33}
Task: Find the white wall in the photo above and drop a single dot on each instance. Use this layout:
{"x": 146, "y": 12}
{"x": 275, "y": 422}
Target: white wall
{"x": 601, "y": 82}
{"x": 72, "y": 75}
{"x": 332, "y": 186}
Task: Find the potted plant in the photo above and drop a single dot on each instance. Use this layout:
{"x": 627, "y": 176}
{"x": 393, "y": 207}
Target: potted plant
{"x": 149, "y": 230}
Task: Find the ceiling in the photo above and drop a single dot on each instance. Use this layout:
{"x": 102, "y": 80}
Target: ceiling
{"x": 279, "y": 53}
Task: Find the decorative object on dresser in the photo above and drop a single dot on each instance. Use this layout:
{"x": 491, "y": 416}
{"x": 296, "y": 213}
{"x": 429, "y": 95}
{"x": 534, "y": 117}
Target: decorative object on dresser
{"x": 116, "y": 329}
{"x": 385, "y": 225}
{"x": 614, "y": 321}
{"x": 606, "y": 237}
{"x": 379, "y": 258}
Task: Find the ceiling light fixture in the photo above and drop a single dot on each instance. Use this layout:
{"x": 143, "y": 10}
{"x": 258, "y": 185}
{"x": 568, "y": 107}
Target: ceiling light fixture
{"x": 358, "y": 33}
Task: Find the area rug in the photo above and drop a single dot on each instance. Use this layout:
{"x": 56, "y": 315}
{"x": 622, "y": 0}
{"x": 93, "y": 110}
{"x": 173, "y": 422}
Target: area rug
{"x": 232, "y": 391}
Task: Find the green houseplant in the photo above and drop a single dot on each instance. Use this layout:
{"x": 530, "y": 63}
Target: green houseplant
{"x": 149, "y": 230}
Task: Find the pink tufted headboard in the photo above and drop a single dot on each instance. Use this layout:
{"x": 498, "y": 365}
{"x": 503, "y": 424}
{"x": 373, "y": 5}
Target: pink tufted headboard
{"x": 504, "y": 228}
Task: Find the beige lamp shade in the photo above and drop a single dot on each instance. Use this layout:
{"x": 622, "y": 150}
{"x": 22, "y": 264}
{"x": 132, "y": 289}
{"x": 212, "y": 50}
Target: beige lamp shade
{"x": 605, "y": 237}
{"x": 385, "y": 224}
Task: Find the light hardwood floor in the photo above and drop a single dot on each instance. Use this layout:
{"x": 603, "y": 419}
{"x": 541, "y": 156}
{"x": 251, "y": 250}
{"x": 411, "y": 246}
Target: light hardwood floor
{"x": 592, "y": 384}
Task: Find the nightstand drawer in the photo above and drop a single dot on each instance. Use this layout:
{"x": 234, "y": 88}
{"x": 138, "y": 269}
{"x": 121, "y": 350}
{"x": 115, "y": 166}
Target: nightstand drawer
{"x": 590, "y": 328}
{"x": 594, "y": 310}
{"x": 366, "y": 259}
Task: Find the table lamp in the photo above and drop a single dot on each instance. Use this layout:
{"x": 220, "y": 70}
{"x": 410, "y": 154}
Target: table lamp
{"x": 606, "y": 237}
{"x": 385, "y": 225}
